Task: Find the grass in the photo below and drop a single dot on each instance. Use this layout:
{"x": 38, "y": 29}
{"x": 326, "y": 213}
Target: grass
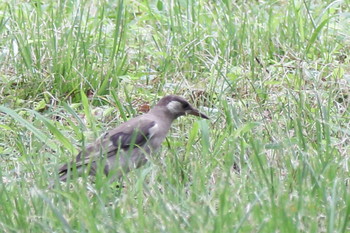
{"x": 273, "y": 76}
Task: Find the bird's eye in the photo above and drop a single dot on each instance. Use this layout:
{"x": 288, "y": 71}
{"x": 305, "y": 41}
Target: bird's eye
{"x": 185, "y": 105}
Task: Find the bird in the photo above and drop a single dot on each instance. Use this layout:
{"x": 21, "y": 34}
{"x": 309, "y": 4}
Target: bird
{"x": 127, "y": 146}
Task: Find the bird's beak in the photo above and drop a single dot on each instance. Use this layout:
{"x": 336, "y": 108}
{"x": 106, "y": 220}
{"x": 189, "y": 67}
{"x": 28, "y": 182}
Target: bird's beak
{"x": 195, "y": 112}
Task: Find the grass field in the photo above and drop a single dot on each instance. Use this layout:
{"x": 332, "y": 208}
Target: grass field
{"x": 273, "y": 76}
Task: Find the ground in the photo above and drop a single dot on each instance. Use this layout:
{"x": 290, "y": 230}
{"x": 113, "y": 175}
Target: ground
{"x": 273, "y": 76}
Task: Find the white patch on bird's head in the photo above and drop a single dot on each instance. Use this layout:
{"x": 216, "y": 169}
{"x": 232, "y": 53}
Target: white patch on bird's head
{"x": 174, "y": 107}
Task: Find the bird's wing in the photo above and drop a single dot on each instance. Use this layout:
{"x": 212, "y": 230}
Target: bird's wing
{"x": 131, "y": 134}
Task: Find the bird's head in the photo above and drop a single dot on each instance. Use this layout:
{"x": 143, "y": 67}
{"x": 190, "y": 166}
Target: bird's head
{"x": 178, "y": 106}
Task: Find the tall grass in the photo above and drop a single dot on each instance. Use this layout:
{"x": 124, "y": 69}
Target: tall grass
{"x": 272, "y": 75}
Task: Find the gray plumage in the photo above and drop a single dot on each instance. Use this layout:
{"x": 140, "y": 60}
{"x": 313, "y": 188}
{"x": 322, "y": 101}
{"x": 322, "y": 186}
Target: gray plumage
{"x": 127, "y": 146}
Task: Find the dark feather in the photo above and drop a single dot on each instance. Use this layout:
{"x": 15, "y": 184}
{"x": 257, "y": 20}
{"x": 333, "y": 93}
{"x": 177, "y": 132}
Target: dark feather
{"x": 130, "y": 136}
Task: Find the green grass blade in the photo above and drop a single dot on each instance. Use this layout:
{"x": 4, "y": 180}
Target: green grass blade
{"x": 38, "y": 133}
